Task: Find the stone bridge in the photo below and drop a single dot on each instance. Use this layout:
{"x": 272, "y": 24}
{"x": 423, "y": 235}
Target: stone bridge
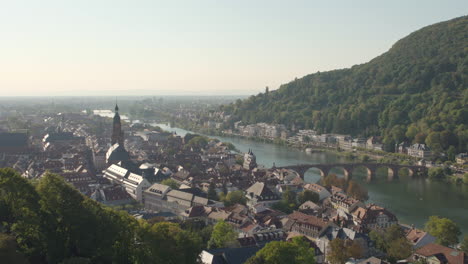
{"x": 348, "y": 169}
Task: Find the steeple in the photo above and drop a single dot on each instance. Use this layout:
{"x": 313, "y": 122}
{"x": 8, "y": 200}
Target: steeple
{"x": 117, "y": 133}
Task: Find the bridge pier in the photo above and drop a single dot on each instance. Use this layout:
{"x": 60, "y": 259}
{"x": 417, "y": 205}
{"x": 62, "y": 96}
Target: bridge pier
{"x": 392, "y": 174}
{"x": 370, "y": 174}
{"x": 347, "y": 173}
{"x": 323, "y": 174}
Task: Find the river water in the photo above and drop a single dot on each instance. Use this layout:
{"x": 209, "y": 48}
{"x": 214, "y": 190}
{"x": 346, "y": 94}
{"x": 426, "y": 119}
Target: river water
{"x": 412, "y": 200}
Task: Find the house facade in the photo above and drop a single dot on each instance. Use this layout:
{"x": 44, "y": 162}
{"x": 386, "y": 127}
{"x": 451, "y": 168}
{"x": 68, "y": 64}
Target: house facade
{"x": 420, "y": 151}
{"x": 307, "y": 225}
{"x": 373, "y": 217}
{"x": 259, "y": 197}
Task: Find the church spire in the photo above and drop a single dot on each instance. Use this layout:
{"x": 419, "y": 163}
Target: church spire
{"x": 117, "y": 133}
{"x": 116, "y": 106}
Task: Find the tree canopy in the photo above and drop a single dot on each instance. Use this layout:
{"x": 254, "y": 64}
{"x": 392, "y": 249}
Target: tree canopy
{"x": 53, "y": 223}
{"x": 392, "y": 241}
{"x": 297, "y": 251}
{"x": 445, "y": 230}
{"x": 341, "y": 250}
{"x": 223, "y": 235}
{"x": 416, "y": 91}
{"x": 308, "y": 195}
{"x": 171, "y": 183}
{"x": 464, "y": 245}
{"x": 234, "y": 197}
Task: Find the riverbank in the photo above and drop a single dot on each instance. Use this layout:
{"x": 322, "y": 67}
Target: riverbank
{"x": 356, "y": 155}
{"x": 413, "y": 200}
{"x": 363, "y": 155}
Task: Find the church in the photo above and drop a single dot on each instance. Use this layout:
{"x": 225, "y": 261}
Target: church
{"x": 117, "y": 154}
{"x": 121, "y": 170}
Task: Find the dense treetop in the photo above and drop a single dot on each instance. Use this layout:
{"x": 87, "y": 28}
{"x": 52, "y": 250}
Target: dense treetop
{"x": 417, "y": 87}
{"x": 51, "y": 222}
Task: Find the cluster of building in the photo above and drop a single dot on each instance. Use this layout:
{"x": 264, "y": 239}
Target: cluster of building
{"x": 334, "y": 215}
{"x": 261, "y": 130}
{"x": 309, "y": 137}
{"x": 130, "y": 168}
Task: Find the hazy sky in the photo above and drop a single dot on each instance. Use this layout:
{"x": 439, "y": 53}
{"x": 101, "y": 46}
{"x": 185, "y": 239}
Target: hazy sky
{"x": 87, "y": 47}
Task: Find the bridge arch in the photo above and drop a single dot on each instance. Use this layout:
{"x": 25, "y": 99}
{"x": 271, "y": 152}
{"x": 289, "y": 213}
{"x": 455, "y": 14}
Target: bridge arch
{"x": 313, "y": 173}
{"x": 404, "y": 171}
{"x": 321, "y": 171}
{"x": 390, "y": 172}
{"x": 344, "y": 169}
{"x": 362, "y": 168}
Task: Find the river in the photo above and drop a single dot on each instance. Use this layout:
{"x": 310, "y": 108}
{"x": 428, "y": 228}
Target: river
{"x": 412, "y": 200}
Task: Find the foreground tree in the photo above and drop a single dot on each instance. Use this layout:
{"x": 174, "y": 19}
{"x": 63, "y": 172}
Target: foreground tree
{"x": 67, "y": 227}
{"x": 54, "y": 223}
{"x": 445, "y": 230}
{"x": 297, "y": 251}
{"x": 20, "y": 213}
{"x": 9, "y": 250}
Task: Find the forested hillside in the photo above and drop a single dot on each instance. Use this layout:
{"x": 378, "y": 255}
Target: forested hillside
{"x": 417, "y": 91}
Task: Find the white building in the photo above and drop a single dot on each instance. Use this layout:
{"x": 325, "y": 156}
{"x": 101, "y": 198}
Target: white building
{"x": 419, "y": 151}
{"x": 134, "y": 184}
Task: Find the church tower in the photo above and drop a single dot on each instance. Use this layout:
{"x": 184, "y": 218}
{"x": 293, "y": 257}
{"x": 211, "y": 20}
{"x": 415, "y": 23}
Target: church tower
{"x": 250, "y": 161}
{"x": 117, "y": 133}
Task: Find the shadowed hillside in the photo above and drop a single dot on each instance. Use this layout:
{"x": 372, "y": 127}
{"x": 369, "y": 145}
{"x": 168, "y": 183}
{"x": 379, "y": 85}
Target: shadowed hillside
{"x": 416, "y": 91}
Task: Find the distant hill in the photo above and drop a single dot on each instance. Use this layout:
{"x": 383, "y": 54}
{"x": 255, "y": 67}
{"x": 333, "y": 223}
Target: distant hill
{"x": 417, "y": 91}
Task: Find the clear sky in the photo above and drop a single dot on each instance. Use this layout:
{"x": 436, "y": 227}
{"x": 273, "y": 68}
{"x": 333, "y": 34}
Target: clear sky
{"x": 171, "y": 47}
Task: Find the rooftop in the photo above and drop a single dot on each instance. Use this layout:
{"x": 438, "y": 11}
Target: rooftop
{"x": 453, "y": 256}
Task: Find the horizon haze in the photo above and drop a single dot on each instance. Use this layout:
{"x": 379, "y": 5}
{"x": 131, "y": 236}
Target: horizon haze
{"x": 89, "y": 48}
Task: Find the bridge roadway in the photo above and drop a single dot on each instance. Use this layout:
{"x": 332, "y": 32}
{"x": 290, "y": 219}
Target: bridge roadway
{"x": 348, "y": 169}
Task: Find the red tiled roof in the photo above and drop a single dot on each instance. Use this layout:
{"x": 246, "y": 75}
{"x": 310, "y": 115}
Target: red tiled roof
{"x": 414, "y": 235}
{"x": 307, "y": 219}
{"x": 453, "y": 256}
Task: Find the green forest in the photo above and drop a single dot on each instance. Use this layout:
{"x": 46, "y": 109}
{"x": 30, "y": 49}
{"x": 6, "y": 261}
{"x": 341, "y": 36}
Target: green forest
{"x": 49, "y": 221}
{"x": 415, "y": 92}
